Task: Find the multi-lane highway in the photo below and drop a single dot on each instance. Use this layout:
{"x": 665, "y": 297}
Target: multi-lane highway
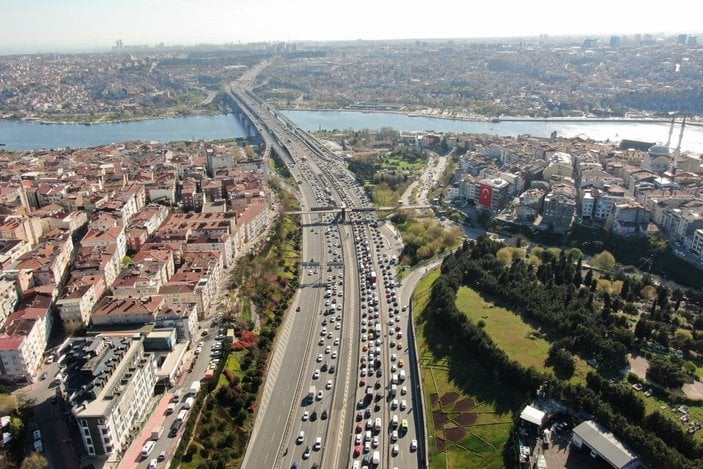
{"x": 345, "y": 335}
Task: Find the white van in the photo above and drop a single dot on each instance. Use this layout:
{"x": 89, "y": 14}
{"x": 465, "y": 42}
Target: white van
{"x": 147, "y": 448}
{"x": 376, "y": 458}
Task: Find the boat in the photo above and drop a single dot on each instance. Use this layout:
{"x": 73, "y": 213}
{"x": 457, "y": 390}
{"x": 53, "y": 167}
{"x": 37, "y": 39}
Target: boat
{"x": 495, "y": 120}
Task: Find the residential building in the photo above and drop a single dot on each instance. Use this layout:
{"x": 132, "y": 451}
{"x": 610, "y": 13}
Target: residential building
{"x": 559, "y": 207}
{"x": 109, "y": 387}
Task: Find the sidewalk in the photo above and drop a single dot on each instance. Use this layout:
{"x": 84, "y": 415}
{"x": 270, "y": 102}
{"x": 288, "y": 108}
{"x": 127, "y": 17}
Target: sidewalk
{"x": 133, "y": 455}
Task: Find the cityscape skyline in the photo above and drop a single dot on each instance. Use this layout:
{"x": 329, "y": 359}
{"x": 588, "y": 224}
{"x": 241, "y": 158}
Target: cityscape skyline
{"x": 81, "y": 25}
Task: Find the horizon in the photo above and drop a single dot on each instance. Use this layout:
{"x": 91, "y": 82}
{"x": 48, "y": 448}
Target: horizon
{"x": 79, "y": 26}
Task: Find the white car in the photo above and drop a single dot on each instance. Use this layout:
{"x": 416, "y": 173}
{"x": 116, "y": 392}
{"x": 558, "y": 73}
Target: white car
{"x": 329, "y": 384}
{"x": 334, "y": 354}
{"x": 413, "y": 445}
{"x": 320, "y": 394}
{"x": 316, "y": 374}
{"x": 306, "y": 415}
{"x": 403, "y": 404}
{"x": 403, "y": 390}
{"x": 336, "y": 341}
{"x": 395, "y": 450}
{"x": 319, "y": 358}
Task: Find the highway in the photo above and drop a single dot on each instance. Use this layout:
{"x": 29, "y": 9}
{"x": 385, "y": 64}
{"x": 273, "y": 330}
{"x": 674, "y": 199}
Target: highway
{"x": 320, "y": 342}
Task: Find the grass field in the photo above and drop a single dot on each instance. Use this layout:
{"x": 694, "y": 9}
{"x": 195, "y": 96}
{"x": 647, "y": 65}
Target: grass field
{"x": 442, "y": 373}
{"x": 522, "y": 342}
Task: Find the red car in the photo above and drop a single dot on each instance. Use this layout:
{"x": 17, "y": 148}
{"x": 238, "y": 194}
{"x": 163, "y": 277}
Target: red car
{"x": 359, "y": 427}
{"x": 357, "y": 451}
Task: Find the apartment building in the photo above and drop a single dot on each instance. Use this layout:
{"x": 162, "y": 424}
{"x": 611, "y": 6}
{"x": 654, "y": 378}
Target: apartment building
{"x": 112, "y": 311}
{"x": 559, "y": 207}
{"x": 78, "y": 299}
{"x": 109, "y": 386}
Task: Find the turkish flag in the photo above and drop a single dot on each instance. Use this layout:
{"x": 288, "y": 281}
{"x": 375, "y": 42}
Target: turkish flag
{"x": 485, "y": 196}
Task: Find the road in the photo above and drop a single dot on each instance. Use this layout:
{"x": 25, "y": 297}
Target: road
{"x": 338, "y": 256}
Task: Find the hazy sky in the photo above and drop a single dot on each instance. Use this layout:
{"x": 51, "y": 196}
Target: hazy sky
{"x": 46, "y": 25}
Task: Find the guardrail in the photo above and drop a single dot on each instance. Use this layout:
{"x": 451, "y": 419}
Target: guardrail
{"x": 420, "y": 423}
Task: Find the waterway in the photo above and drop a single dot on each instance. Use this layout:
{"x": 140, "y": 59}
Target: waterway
{"x": 31, "y": 135}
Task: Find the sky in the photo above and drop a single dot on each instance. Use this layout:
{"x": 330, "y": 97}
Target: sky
{"x": 60, "y": 25}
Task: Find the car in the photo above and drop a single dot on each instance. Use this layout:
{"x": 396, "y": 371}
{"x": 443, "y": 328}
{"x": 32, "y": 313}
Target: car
{"x": 403, "y": 390}
{"x": 329, "y": 384}
{"x": 357, "y": 439}
{"x": 306, "y": 453}
{"x": 413, "y": 445}
{"x": 394, "y": 404}
{"x": 301, "y": 438}
{"x": 43, "y": 375}
{"x": 316, "y": 374}
{"x": 204, "y": 333}
{"x": 375, "y": 442}
{"x": 320, "y": 394}
{"x": 318, "y": 444}
{"x": 324, "y": 415}
{"x": 162, "y": 456}
{"x": 319, "y": 358}
{"x": 334, "y": 355}
{"x": 152, "y": 464}
{"x": 359, "y": 416}
{"x": 395, "y": 450}
{"x": 394, "y": 436}
{"x": 321, "y": 342}
{"x": 359, "y": 427}
{"x": 394, "y": 357}
{"x": 357, "y": 451}
{"x": 313, "y": 416}
{"x": 331, "y": 369}
{"x": 367, "y": 446}
{"x": 403, "y": 404}
{"x": 336, "y": 341}
{"x": 306, "y": 415}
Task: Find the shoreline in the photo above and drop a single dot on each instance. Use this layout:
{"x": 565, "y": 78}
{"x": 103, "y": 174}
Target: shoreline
{"x": 99, "y": 121}
{"x": 698, "y": 120}
{"x": 431, "y": 113}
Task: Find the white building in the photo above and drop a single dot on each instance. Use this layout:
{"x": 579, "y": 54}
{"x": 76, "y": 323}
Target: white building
{"x": 110, "y": 390}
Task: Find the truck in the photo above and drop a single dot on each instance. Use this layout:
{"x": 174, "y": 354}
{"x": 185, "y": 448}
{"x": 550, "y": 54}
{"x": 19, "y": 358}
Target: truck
{"x": 194, "y": 388}
{"x": 311, "y": 395}
{"x": 372, "y": 276}
{"x": 188, "y": 403}
{"x": 376, "y": 460}
{"x": 157, "y": 432}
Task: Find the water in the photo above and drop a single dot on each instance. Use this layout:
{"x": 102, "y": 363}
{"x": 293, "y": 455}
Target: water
{"x": 656, "y": 132}
{"x": 30, "y": 135}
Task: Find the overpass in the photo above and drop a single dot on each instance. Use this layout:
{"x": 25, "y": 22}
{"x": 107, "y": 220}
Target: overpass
{"x": 343, "y": 210}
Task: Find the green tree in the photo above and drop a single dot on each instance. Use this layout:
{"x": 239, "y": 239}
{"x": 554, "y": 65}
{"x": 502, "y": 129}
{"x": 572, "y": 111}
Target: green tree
{"x": 604, "y": 261}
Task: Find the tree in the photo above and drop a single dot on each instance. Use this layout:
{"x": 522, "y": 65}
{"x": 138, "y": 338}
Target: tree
{"x": 604, "y": 261}
{"x": 34, "y": 461}
{"x": 665, "y": 372}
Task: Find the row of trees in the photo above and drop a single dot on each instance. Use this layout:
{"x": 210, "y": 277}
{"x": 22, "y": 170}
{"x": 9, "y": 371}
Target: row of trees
{"x": 475, "y": 265}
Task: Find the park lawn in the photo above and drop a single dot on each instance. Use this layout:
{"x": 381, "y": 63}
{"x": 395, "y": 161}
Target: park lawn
{"x": 522, "y": 342}
{"x": 653, "y": 403}
{"x": 232, "y": 365}
{"x": 495, "y": 403}
{"x": 391, "y": 162}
